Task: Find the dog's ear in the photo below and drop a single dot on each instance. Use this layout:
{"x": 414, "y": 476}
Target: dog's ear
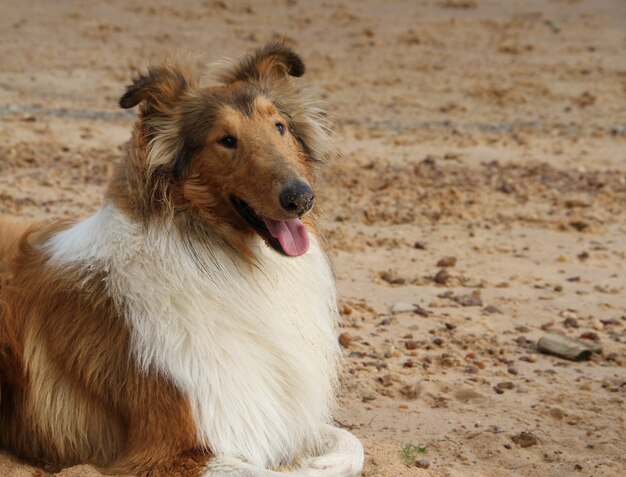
{"x": 159, "y": 89}
{"x": 274, "y": 60}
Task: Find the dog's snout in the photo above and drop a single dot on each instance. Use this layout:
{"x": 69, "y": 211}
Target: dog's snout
{"x": 297, "y": 198}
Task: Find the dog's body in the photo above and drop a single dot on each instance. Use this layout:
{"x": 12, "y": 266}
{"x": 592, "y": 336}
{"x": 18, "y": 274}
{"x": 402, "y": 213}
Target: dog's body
{"x": 166, "y": 335}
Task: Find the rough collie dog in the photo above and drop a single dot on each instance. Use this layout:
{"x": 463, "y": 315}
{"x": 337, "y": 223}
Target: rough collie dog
{"x": 187, "y": 328}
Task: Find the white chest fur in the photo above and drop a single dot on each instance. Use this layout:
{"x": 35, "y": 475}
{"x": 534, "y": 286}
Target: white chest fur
{"x": 253, "y": 347}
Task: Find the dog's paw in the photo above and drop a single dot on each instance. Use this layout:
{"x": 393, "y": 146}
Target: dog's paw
{"x": 344, "y": 458}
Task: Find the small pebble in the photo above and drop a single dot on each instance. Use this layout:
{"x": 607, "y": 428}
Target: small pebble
{"x": 346, "y": 310}
{"x": 525, "y": 439}
{"x": 505, "y": 385}
{"x": 411, "y": 344}
{"x": 612, "y": 357}
{"x": 438, "y": 341}
{"x": 441, "y": 277}
{"x": 512, "y": 370}
{"x": 447, "y": 262}
{"x": 570, "y": 322}
{"x": 422, "y": 464}
{"x": 589, "y": 335}
{"x": 492, "y": 309}
{"x": 345, "y": 339}
{"x": 597, "y": 324}
{"x": 401, "y": 307}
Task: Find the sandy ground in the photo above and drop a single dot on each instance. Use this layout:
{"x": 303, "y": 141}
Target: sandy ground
{"x": 491, "y": 133}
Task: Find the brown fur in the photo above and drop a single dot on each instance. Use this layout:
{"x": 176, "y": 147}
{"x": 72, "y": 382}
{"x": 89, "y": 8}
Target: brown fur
{"x": 69, "y": 391}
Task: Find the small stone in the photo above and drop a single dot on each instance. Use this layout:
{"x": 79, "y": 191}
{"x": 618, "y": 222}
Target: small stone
{"x": 408, "y": 364}
{"x": 614, "y": 357}
{"x": 401, "y": 307}
{"x": 385, "y": 380}
{"x": 472, "y": 299}
{"x": 450, "y": 326}
{"x": 392, "y": 278}
{"x": 411, "y": 344}
{"x": 387, "y": 321}
{"x": 508, "y": 446}
{"x": 422, "y": 311}
{"x": 532, "y": 358}
{"x": 570, "y": 322}
{"x": 590, "y": 335}
{"x": 446, "y": 262}
{"x": 492, "y": 309}
{"x": 345, "y": 339}
{"x": 438, "y": 341}
{"x": 525, "y": 439}
{"x": 422, "y": 464}
{"x": 513, "y": 370}
{"x": 368, "y": 397}
{"x": 471, "y": 369}
{"x": 597, "y": 324}
{"x": 419, "y": 245}
{"x": 523, "y": 341}
{"x": 441, "y": 277}
{"x": 346, "y": 310}
{"x": 505, "y": 385}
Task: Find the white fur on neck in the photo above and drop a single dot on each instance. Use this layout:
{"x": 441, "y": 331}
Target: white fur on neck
{"x": 252, "y": 346}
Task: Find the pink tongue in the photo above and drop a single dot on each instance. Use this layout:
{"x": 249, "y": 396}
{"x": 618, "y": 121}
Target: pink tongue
{"x": 292, "y": 235}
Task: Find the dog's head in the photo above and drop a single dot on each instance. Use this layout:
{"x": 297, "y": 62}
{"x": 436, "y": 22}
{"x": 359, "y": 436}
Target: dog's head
{"x": 242, "y": 156}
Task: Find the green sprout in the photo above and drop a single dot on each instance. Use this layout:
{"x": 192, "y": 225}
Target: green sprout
{"x": 410, "y": 453}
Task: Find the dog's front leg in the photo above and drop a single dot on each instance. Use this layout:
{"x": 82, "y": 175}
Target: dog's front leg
{"x": 343, "y": 457}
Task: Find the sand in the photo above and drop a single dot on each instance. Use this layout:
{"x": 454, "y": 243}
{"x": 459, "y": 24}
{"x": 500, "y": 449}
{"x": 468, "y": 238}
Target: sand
{"x": 488, "y": 133}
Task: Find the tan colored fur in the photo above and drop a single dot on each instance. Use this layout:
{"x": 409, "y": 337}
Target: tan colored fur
{"x": 85, "y": 401}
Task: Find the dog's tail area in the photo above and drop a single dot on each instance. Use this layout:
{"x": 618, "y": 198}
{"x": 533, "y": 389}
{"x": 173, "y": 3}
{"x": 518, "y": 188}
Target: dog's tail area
{"x": 11, "y": 230}
{"x": 343, "y": 458}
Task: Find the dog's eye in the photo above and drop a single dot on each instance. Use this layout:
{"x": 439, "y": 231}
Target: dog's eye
{"x": 281, "y": 128}
{"x": 229, "y": 142}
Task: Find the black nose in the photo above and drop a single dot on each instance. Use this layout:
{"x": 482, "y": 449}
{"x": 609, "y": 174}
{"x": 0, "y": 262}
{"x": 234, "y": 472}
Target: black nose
{"x": 297, "y": 198}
